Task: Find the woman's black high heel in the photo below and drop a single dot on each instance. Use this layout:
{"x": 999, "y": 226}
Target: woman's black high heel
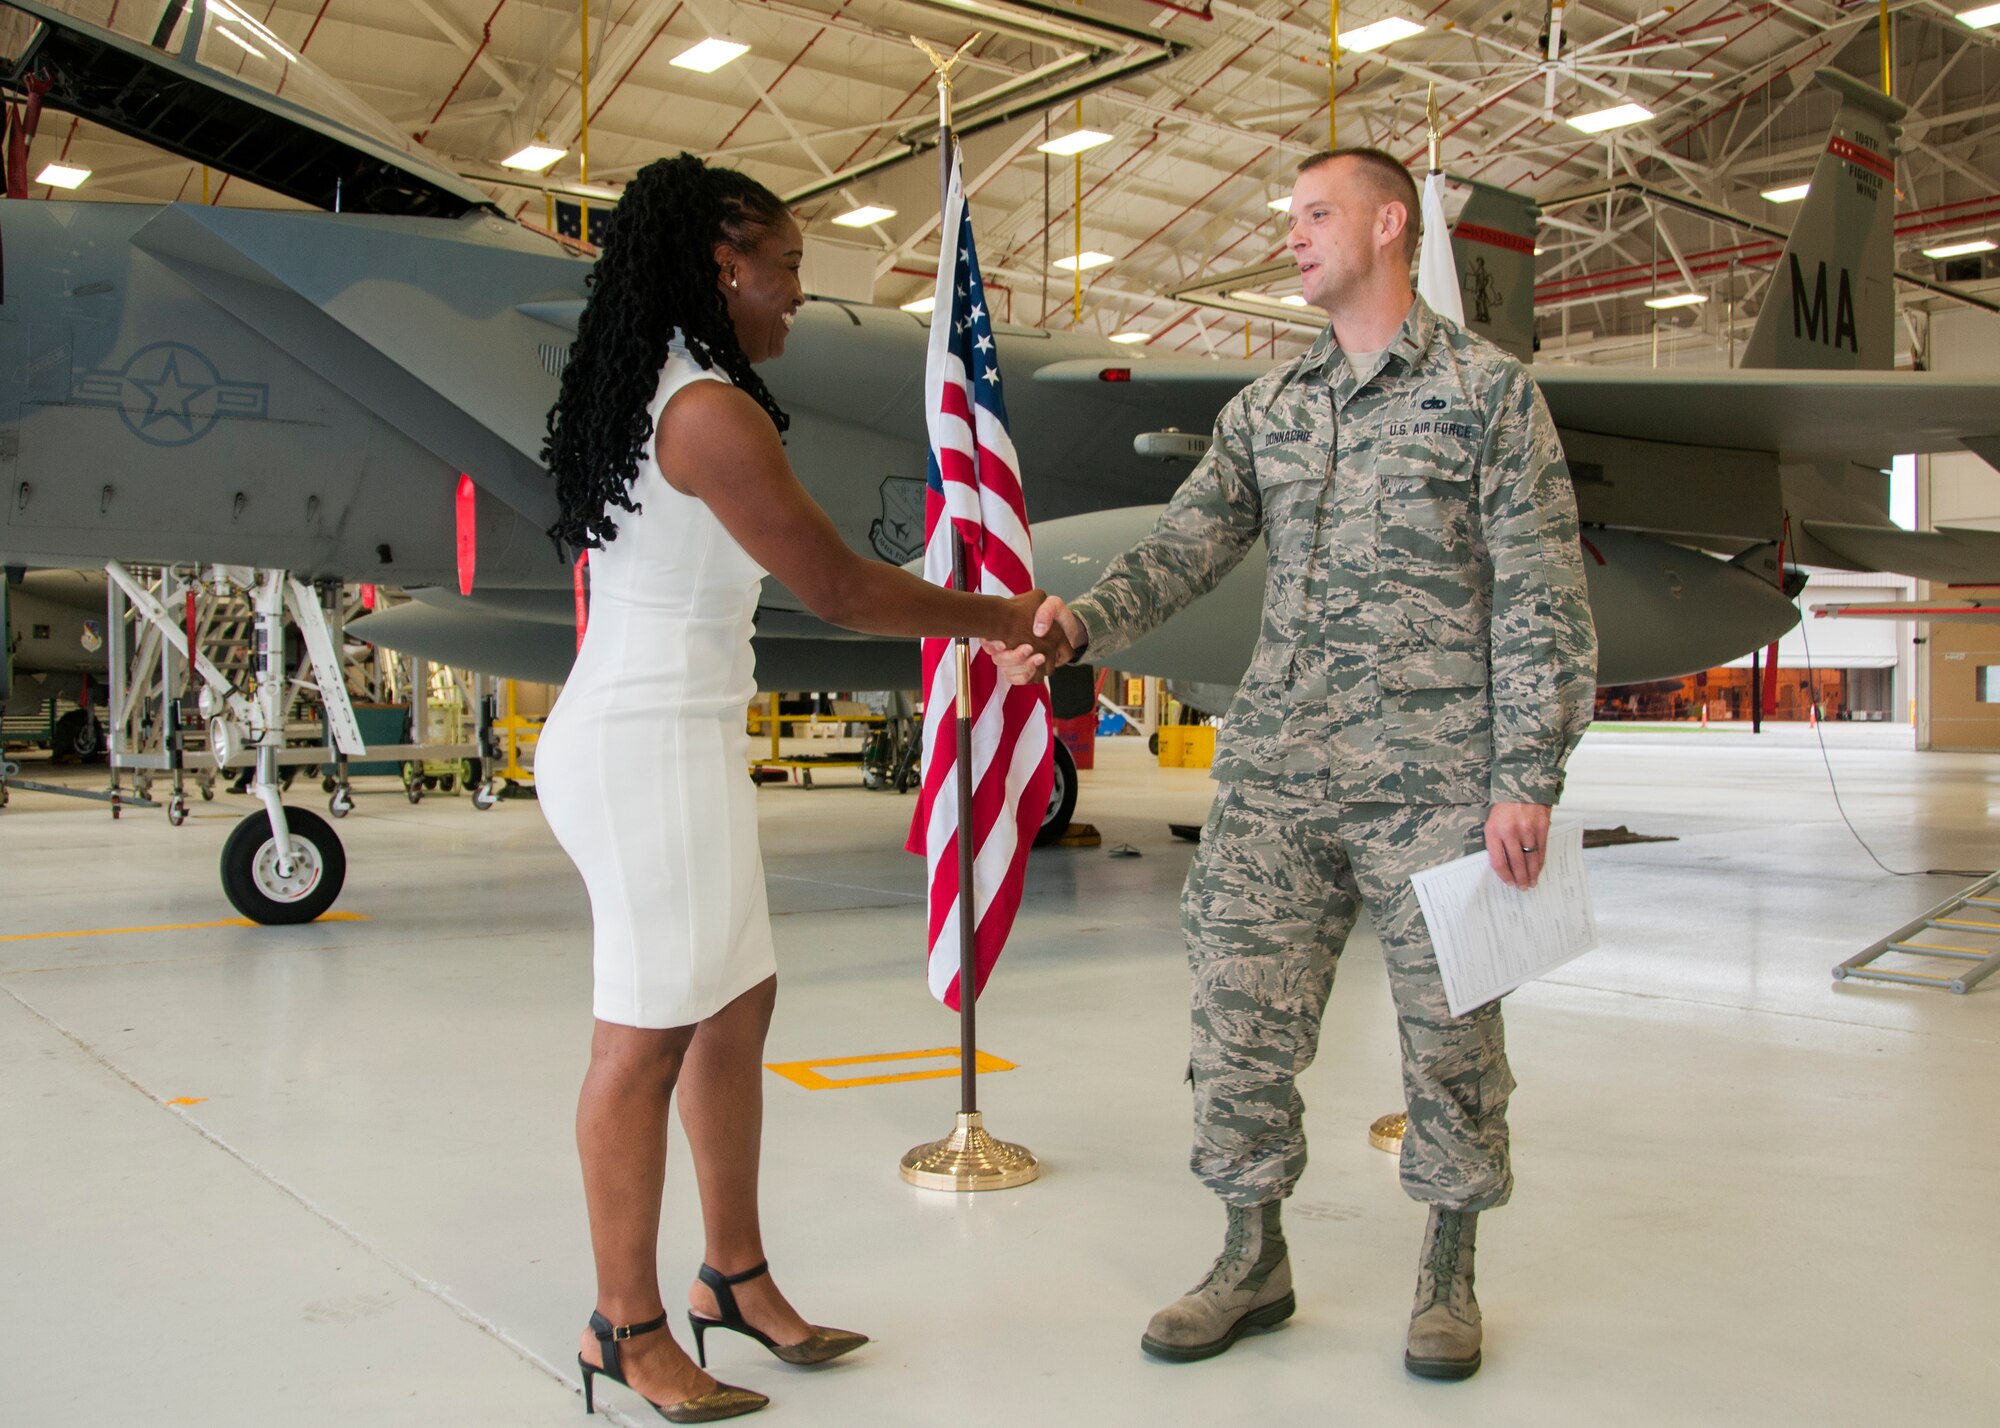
{"x": 822, "y": 1344}
{"x": 722, "y": 1401}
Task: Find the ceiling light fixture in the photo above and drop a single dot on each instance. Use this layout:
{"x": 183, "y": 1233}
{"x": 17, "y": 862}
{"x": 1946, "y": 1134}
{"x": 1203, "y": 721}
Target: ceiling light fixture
{"x": 1961, "y": 248}
{"x": 1129, "y": 337}
{"x": 1790, "y": 193}
{"x": 534, "y": 158}
{"x": 863, "y": 216}
{"x": 1363, "y": 38}
{"x": 1616, "y": 117}
{"x": 1983, "y": 18}
{"x": 63, "y": 175}
{"x": 1083, "y": 262}
{"x": 1282, "y": 205}
{"x": 1678, "y": 300}
{"x": 921, "y": 305}
{"x": 238, "y": 41}
{"x": 1074, "y": 142}
{"x": 1289, "y": 300}
{"x": 709, "y": 56}
{"x": 254, "y": 26}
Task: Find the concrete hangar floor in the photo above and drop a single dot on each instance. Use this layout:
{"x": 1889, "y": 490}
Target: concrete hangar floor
{"x": 324, "y": 1175}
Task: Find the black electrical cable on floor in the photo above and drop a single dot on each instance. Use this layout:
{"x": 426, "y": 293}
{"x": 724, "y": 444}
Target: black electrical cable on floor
{"x": 1819, "y": 731}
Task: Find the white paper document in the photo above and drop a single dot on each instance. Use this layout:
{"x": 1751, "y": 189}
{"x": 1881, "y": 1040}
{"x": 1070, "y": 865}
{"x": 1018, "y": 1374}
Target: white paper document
{"x": 1490, "y": 938}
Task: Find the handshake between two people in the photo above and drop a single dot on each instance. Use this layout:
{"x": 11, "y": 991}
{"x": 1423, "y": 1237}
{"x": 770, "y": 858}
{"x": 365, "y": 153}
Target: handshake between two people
{"x": 1047, "y": 637}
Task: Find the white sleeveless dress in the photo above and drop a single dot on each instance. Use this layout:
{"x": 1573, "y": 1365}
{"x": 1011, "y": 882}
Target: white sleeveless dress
{"x": 643, "y": 766}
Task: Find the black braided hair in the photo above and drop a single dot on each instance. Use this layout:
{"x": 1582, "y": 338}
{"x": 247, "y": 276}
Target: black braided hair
{"x": 655, "y": 276}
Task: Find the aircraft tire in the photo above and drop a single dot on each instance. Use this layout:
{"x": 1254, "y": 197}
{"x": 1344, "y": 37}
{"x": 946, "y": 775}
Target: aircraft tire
{"x": 1062, "y": 799}
{"x": 250, "y": 878}
{"x": 79, "y": 736}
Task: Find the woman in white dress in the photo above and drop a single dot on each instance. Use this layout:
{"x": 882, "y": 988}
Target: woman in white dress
{"x": 642, "y": 769}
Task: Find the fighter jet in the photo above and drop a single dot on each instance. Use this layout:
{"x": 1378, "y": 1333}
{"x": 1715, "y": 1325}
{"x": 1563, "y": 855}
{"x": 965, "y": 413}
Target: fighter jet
{"x": 303, "y": 390}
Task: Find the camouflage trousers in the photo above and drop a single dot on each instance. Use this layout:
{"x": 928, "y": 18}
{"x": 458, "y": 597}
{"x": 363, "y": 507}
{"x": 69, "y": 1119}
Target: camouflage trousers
{"x": 1269, "y": 904}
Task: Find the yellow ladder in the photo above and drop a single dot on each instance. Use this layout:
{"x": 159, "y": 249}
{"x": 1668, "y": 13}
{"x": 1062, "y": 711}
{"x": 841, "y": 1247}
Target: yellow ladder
{"x": 1972, "y": 916}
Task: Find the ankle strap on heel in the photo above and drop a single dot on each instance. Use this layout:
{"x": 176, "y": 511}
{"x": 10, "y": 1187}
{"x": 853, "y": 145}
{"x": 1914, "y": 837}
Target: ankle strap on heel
{"x": 719, "y": 1283}
{"x": 612, "y": 1335}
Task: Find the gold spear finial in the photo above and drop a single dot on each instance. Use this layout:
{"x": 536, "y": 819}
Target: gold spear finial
{"x": 1432, "y": 122}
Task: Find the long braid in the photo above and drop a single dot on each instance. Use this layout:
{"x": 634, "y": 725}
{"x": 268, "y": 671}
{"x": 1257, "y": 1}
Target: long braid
{"x": 655, "y": 276}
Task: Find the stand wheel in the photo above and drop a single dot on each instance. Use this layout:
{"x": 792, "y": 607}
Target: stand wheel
{"x": 415, "y": 791}
{"x": 250, "y": 875}
{"x": 448, "y": 783}
{"x": 342, "y": 802}
{"x": 177, "y": 810}
{"x": 487, "y": 795}
{"x": 328, "y": 785}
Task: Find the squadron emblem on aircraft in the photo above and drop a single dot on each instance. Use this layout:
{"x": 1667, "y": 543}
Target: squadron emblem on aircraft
{"x": 169, "y": 394}
{"x": 898, "y": 534}
{"x": 1483, "y": 289}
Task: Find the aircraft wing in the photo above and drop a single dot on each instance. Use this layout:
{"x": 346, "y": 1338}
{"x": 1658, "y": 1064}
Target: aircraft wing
{"x": 530, "y": 634}
{"x": 1848, "y": 415}
{"x": 205, "y": 115}
{"x": 1952, "y": 555}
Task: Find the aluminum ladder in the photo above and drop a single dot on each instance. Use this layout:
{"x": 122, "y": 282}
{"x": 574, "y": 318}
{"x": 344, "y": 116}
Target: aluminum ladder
{"x": 1972, "y": 916}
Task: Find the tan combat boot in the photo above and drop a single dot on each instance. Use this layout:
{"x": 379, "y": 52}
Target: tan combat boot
{"x": 1444, "y": 1324}
{"x": 1249, "y": 1287}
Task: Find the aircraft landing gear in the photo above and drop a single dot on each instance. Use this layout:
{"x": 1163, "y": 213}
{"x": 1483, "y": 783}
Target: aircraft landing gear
{"x": 275, "y": 890}
{"x": 280, "y": 865}
{"x": 1062, "y": 799}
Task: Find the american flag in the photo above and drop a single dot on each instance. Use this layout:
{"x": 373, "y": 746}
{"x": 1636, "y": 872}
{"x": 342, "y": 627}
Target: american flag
{"x": 975, "y": 491}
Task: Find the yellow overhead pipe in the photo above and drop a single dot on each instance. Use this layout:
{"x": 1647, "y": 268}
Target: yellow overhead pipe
{"x": 1885, "y": 46}
{"x": 584, "y": 78}
{"x": 1333, "y": 70}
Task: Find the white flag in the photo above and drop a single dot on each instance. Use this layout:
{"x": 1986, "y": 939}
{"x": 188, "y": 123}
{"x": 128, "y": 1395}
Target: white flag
{"x": 1437, "y": 271}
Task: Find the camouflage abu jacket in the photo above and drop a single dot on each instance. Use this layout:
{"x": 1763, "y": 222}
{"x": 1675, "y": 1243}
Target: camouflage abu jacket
{"x": 1427, "y": 635}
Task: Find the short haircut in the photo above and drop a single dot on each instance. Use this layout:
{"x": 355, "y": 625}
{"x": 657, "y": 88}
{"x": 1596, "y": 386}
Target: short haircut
{"x": 1392, "y": 184}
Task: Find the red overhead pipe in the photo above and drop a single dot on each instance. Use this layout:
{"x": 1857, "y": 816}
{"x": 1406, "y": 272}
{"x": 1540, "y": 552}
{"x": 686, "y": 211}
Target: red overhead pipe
{"x": 772, "y": 87}
{"x": 485, "y": 39}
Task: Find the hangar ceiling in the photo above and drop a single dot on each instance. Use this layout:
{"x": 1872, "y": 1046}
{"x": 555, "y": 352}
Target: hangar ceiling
{"x": 1209, "y": 105}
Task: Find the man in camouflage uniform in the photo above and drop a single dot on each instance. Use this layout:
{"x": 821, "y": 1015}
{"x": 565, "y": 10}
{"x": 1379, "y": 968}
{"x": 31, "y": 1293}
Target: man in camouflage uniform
{"x": 1426, "y": 666}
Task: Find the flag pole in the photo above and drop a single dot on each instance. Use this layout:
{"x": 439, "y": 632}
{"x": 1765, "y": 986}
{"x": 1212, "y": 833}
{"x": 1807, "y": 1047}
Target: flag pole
{"x": 1386, "y": 1132}
{"x": 969, "y": 1158}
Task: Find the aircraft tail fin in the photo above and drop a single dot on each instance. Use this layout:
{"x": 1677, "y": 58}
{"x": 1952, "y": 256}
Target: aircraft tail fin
{"x": 1493, "y": 245}
{"x": 1831, "y": 303}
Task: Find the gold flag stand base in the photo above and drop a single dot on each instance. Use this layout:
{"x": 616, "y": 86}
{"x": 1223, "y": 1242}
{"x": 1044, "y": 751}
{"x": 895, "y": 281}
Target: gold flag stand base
{"x": 970, "y": 1159}
{"x": 1387, "y": 1133}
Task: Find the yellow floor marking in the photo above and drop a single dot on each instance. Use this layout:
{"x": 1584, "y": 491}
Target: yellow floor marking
{"x": 187, "y": 1100}
{"x": 806, "y": 1073}
{"x": 168, "y": 927}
